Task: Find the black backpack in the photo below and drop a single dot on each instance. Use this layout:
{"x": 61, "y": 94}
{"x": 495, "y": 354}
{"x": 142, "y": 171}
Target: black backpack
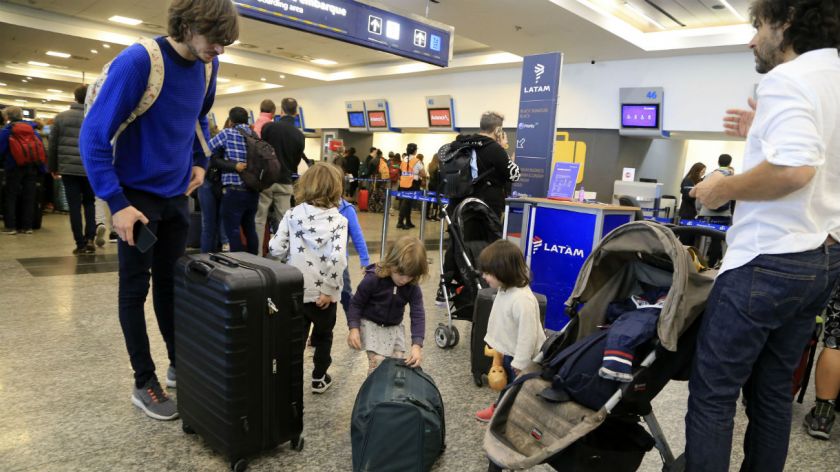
{"x": 456, "y": 170}
{"x": 398, "y": 421}
{"x": 263, "y": 169}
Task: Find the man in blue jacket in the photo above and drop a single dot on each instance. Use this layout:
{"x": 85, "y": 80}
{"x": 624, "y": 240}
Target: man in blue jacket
{"x": 155, "y": 163}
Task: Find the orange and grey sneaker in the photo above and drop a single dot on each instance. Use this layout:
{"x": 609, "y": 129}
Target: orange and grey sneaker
{"x": 154, "y": 401}
{"x": 486, "y": 414}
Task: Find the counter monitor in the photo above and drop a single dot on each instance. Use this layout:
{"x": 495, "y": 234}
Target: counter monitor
{"x": 640, "y": 116}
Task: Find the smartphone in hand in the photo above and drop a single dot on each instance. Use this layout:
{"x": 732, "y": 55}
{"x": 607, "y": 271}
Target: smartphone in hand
{"x": 144, "y": 238}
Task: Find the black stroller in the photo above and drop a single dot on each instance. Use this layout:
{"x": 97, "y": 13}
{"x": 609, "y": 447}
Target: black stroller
{"x": 531, "y": 426}
{"x": 472, "y": 227}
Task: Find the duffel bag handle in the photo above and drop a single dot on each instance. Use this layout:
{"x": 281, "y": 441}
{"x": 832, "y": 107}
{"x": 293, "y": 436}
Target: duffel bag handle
{"x": 224, "y": 260}
{"x": 399, "y": 378}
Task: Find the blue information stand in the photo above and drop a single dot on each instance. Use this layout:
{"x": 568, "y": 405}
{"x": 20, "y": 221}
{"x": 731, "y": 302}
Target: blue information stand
{"x": 560, "y": 236}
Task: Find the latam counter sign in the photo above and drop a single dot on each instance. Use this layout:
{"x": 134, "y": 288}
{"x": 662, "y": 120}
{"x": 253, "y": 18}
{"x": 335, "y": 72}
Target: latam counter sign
{"x": 535, "y": 129}
{"x": 561, "y": 242}
{"x": 358, "y": 23}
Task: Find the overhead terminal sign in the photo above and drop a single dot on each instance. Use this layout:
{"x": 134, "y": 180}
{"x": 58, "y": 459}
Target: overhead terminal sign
{"x": 358, "y": 23}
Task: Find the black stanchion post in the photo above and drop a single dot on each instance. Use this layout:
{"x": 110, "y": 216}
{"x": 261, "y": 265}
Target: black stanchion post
{"x": 385, "y": 211}
{"x": 423, "y": 211}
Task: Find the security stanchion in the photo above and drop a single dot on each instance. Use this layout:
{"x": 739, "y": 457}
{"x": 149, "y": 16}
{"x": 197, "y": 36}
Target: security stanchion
{"x": 386, "y": 210}
{"x": 423, "y": 211}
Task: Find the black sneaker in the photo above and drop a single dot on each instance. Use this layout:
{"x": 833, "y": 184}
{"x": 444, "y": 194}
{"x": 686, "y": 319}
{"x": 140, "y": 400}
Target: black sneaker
{"x": 90, "y": 248}
{"x": 819, "y": 420}
{"x": 154, "y": 401}
{"x": 113, "y": 237}
{"x": 321, "y": 385}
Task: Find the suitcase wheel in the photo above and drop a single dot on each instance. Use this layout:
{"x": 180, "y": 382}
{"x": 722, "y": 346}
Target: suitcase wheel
{"x": 493, "y": 467}
{"x": 446, "y": 336}
{"x": 187, "y": 428}
{"x": 297, "y": 443}
{"x": 239, "y": 465}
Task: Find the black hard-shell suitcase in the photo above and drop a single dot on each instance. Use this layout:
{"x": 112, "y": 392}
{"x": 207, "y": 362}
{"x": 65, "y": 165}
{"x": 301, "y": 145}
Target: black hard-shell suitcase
{"x": 239, "y": 337}
{"x": 479, "y": 363}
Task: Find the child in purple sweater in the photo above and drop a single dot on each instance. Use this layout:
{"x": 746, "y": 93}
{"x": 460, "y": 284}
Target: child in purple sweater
{"x": 377, "y": 309}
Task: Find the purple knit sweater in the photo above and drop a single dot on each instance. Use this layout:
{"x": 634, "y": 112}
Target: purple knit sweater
{"x": 381, "y": 301}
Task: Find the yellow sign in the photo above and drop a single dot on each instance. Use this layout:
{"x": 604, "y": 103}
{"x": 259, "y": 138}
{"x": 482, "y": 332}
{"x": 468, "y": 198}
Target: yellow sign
{"x": 566, "y": 150}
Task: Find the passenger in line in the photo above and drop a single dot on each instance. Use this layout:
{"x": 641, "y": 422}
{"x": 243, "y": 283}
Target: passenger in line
{"x": 22, "y": 171}
{"x": 267, "y": 110}
{"x": 411, "y": 174}
{"x": 783, "y": 258}
{"x": 155, "y": 163}
{"x": 688, "y": 205}
{"x": 288, "y": 143}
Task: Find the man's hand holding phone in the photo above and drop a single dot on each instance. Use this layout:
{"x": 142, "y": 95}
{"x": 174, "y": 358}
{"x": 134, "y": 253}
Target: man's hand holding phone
{"x": 124, "y": 220}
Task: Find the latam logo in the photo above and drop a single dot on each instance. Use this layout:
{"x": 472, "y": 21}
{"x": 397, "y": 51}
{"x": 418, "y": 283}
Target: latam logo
{"x": 539, "y": 70}
{"x": 538, "y": 245}
{"x": 536, "y": 89}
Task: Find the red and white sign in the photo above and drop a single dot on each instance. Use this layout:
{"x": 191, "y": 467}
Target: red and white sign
{"x": 336, "y": 144}
{"x": 440, "y": 117}
{"x": 376, "y": 119}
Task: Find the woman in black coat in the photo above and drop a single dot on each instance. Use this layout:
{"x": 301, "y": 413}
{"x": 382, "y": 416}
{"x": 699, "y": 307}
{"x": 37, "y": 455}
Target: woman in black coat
{"x": 688, "y": 210}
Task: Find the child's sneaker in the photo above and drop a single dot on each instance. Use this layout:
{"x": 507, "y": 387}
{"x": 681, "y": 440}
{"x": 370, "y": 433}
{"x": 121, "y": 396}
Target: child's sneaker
{"x": 321, "y": 385}
{"x": 100, "y": 235}
{"x": 486, "y": 414}
{"x": 171, "y": 378}
{"x": 819, "y": 420}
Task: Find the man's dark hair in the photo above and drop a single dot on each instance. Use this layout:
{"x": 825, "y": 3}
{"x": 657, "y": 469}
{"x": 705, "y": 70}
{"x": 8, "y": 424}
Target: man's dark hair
{"x": 724, "y": 160}
{"x": 238, "y": 116}
{"x": 351, "y": 151}
{"x": 289, "y": 106}
{"x": 411, "y": 149}
{"x": 217, "y": 20}
{"x": 267, "y": 106}
{"x": 80, "y": 94}
{"x": 814, "y": 24}
{"x": 490, "y": 121}
{"x": 371, "y": 150}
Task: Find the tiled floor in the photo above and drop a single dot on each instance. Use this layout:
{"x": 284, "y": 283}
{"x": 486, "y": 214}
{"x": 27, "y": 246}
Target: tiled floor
{"x": 65, "y": 380}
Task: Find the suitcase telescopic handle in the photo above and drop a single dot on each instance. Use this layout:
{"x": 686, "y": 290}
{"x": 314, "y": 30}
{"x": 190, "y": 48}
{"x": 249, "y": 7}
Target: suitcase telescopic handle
{"x": 221, "y": 259}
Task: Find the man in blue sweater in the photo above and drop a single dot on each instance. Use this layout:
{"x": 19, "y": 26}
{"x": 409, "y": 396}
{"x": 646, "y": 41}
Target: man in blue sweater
{"x": 155, "y": 163}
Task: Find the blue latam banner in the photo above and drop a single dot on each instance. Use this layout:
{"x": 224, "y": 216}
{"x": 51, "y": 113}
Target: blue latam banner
{"x": 359, "y": 23}
{"x": 562, "y": 241}
{"x": 535, "y": 128}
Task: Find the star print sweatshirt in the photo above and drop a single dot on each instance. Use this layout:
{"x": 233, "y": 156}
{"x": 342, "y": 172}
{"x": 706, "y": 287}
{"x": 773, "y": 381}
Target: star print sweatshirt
{"x": 313, "y": 240}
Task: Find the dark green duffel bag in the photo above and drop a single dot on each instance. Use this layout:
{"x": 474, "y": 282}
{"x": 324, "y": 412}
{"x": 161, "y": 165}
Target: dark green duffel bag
{"x": 398, "y": 421}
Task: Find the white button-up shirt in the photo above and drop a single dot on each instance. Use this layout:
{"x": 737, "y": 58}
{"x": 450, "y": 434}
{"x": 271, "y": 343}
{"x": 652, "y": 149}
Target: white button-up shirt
{"x": 797, "y": 123}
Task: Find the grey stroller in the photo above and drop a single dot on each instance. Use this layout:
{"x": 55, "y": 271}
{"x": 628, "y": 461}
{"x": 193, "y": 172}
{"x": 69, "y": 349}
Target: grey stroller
{"x": 528, "y": 429}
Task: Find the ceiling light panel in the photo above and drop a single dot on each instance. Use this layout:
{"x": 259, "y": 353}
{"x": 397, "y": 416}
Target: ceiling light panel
{"x": 62, "y": 55}
{"x": 324, "y": 62}
{"x": 125, "y": 20}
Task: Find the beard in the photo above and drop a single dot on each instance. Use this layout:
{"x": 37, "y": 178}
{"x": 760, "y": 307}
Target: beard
{"x": 198, "y": 55}
{"x": 767, "y": 57}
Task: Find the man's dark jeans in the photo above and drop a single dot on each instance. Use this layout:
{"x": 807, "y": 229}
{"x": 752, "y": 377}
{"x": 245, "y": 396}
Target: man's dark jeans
{"x": 80, "y": 195}
{"x": 169, "y": 219}
{"x": 20, "y": 184}
{"x": 239, "y": 208}
{"x": 212, "y": 231}
{"x": 758, "y": 320}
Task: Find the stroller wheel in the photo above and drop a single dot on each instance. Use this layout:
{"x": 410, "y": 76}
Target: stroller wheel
{"x": 443, "y": 336}
{"x": 493, "y": 467}
{"x": 455, "y": 337}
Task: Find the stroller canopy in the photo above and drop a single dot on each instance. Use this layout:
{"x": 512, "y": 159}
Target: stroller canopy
{"x": 641, "y": 252}
{"x": 476, "y": 221}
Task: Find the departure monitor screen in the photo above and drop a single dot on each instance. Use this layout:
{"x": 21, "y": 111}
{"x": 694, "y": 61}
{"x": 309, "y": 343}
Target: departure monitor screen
{"x": 640, "y": 116}
{"x": 356, "y": 119}
{"x": 440, "y": 117}
{"x": 376, "y": 119}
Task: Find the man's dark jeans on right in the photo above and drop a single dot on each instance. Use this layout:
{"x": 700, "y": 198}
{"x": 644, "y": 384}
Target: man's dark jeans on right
{"x": 169, "y": 219}
{"x": 239, "y": 210}
{"x": 80, "y": 195}
{"x": 212, "y": 231}
{"x": 757, "y": 322}
{"x": 20, "y": 184}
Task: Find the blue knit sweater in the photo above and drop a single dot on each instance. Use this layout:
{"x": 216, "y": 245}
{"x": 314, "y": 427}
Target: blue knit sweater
{"x": 155, "y": 153}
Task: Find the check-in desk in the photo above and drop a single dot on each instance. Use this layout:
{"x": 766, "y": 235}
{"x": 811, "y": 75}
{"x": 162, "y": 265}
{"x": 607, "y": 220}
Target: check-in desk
{"x": 560, "y": 236}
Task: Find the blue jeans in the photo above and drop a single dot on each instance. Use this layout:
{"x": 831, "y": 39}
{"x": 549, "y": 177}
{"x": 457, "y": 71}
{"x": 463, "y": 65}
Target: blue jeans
{"x": 212, "y": 229}
{"x": 239, "y": 207}
{"x": 758, "y": 320}
{"x": 346, "y": 291}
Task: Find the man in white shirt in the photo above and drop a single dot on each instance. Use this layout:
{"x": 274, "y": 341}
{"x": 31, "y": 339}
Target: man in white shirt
{"x": 782, "y": 260}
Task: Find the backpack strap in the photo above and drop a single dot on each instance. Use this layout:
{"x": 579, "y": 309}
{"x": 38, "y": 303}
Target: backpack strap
{"x": 153, "y": 87}
{"x": 208, "y": 74}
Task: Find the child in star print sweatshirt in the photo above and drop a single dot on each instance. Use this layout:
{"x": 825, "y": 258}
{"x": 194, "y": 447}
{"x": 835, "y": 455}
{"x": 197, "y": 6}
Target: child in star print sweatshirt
{"x": 312, "y": 237}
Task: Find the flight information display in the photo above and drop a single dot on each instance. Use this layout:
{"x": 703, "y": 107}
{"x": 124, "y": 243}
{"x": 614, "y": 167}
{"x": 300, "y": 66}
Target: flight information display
{"x": 356, "y": 119}
{"x": 358, "y": 23}
{"x": 377, "y": 119}
{"x": 440, "y": 117}
{"x": 640, "y": 116}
